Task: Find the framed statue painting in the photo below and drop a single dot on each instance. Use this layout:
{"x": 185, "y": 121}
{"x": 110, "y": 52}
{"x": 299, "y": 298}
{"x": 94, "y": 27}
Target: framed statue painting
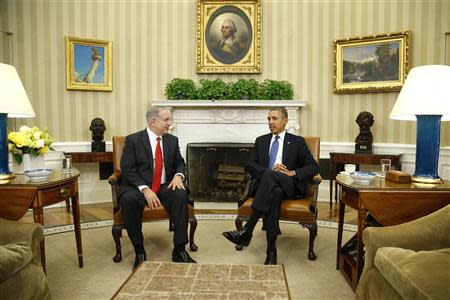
{"x": 88, "y": 64}
{"x": 367, "y": 64}
{"x": 228, "y": 36}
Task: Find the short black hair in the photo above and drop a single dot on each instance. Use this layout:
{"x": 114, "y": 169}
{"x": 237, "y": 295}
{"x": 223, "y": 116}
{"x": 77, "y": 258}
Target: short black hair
{"x": 281, "y": 109}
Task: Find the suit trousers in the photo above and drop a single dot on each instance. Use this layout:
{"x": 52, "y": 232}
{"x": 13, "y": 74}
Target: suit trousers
{"x": 175, "y": 202}
{"x": 272, "y": 189}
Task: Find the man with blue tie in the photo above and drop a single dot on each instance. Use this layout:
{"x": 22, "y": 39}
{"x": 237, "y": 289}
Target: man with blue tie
{"x": 282, "y": 163}
{"x": 152, "y": 175}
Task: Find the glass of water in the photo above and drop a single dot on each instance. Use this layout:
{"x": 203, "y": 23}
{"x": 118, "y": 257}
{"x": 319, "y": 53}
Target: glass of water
{"x": 67, "y": 164}
{"x": 385, "y": 166}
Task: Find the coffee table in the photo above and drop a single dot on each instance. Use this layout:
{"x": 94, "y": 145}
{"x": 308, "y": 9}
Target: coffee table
{"x": 166, "y": 280}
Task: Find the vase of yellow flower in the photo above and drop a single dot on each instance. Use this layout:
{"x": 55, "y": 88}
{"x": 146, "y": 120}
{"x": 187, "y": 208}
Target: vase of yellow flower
{"x": 28, "y": 146}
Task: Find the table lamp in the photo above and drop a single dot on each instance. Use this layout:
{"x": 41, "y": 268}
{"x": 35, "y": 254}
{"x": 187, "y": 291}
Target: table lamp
{"x": 14, "y": 103}
{"x": 425, "y": 97}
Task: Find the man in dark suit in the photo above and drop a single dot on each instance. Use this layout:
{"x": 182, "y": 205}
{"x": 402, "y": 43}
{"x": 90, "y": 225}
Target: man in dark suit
{"x": 152, "y": 174}
{"x": 282, "y": 163}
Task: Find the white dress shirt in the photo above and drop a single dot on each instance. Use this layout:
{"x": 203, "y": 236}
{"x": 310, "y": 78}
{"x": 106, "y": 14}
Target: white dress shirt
{"x": 152, "y": 136}
{"x": 279, "y": 157}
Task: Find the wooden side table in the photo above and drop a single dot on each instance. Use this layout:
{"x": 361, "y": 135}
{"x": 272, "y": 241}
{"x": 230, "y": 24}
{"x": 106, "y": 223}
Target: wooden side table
{"x": 19, "y": 195}
{"x": 358, "y": 159}
{"x": 390, "y": 204}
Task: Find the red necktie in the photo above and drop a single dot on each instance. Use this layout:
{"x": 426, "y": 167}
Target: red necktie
{"x": 156, "y": 183}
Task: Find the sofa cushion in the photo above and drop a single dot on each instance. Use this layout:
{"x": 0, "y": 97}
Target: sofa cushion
{"x": 415, "y": 275}
{"x": 14, "y": 257}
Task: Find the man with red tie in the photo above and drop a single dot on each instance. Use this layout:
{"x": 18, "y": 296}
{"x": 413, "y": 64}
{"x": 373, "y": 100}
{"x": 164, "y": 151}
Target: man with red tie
{"x": 152, "y": 174}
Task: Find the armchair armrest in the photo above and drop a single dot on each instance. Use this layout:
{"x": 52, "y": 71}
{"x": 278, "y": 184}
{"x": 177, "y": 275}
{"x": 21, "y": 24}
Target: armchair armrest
{"x": 427, "y": 233}
{"x": 114, "y": 178}
{"x": 13, "y": 232}
{"x": 317, "y": 179}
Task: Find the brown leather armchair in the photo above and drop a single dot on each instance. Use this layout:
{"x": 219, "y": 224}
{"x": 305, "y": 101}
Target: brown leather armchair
{"x": 148, "y": 214}
{"x": 303, "y": 211}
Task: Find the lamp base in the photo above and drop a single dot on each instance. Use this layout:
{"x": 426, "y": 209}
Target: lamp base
{"x": 426, "y": 179}
{"x": 427, "y": 149}
{"x": 6, "y": 177}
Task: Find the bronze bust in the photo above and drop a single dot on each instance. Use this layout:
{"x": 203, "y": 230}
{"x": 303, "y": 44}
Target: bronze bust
{"x": 365, "y": 138}
{"x": 98, "y": 130}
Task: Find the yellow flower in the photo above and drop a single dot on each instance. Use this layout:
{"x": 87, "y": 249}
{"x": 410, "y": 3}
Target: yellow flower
{"x": 28, "y": 140}
{"x": 43, "y": 150}
{"x": 18, "y": 138}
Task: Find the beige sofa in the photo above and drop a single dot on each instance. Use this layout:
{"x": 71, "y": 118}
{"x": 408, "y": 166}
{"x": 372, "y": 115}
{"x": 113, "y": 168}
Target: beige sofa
{"x": 408, "y": 261}
{"x": 21, "y": 274}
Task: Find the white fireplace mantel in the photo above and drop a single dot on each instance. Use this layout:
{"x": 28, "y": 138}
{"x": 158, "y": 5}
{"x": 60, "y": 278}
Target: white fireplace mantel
{"x": 226, "y": 121}
{"x": 230, "y": 103}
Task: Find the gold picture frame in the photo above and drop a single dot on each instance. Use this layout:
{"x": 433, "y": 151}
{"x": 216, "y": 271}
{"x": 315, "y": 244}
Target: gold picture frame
{"x": 88, "y": 64}
{"x": 370, "y": 64}
{"x": 447, "y": 48}
{"x": 228, "y": 36}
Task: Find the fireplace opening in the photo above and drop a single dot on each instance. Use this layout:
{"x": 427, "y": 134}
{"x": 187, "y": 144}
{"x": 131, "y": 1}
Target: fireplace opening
{"x": 216, "y": 171}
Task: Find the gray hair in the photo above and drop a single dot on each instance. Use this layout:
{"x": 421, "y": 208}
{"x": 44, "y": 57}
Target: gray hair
{"x": 231, "y": 23}
{"x": 153, "y": 112}
{"x": 282, "y": 110}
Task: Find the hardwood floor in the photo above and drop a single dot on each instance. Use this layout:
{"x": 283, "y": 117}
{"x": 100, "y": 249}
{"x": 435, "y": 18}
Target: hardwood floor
{"x": 100, "y": 212}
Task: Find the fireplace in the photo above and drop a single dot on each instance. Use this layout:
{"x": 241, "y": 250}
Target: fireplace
{"x": 215, "y": 138}
{"x": 216, "y": 171}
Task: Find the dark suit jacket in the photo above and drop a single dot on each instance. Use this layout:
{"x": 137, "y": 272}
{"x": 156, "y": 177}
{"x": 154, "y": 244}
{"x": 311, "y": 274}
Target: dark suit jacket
{"x": 296, "y": 156}
{"x": 137, "y": 160}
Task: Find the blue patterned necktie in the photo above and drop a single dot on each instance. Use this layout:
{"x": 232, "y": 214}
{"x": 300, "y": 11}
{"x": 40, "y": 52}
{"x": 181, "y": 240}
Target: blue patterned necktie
{"x": 273, "y": 153}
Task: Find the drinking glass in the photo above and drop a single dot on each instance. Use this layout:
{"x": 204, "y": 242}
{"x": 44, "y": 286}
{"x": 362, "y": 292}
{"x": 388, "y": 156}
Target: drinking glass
{"x": 67, "y": 164}
{"x": 385, "y": 166}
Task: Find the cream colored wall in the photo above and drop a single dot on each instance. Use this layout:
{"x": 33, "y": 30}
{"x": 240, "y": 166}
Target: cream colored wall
{"x": 154, "y": 41}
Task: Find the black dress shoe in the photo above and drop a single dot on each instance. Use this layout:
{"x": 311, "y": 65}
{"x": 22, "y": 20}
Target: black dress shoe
{"x": 239, "y": 237}
{"x": 140, "y": 257}
{"x": 182, "y": 257}
{"x": 271, "y": 258}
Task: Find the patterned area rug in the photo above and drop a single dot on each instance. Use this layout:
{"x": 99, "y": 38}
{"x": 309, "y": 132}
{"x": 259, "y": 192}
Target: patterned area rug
{"x": 162, "y": 280}
{"x": 101, "y": 277}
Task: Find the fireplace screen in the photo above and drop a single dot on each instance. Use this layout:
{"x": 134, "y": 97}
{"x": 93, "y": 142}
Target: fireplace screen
{"x": 216, "y": 171}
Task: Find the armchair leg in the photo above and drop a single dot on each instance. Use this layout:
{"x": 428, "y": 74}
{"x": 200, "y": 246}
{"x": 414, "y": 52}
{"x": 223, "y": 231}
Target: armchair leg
{"x": 312, "y": 236}
{"x": 192, "y": 228}
{"x": 238, "y": 222}
{"x": 117, "y": 233}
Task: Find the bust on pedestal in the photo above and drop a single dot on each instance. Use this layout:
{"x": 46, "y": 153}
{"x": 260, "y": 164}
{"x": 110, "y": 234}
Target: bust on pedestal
{"x": 365, "y": 138}
{"x": 98, "y": 129}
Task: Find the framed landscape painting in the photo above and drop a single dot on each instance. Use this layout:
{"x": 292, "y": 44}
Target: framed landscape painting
{"x": 228, "y": 36}
{"x": 88, "y": 64}
{"x": 377, "y": 63}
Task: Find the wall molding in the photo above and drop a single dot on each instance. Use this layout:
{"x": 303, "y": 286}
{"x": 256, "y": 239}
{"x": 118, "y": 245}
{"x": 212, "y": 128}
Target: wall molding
{"x": 408, "y": 152}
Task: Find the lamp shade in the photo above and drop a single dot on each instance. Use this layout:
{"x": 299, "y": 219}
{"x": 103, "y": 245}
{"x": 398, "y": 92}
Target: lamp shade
{"x": 426, "y": 92}
{"x": 13, "y": 98}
